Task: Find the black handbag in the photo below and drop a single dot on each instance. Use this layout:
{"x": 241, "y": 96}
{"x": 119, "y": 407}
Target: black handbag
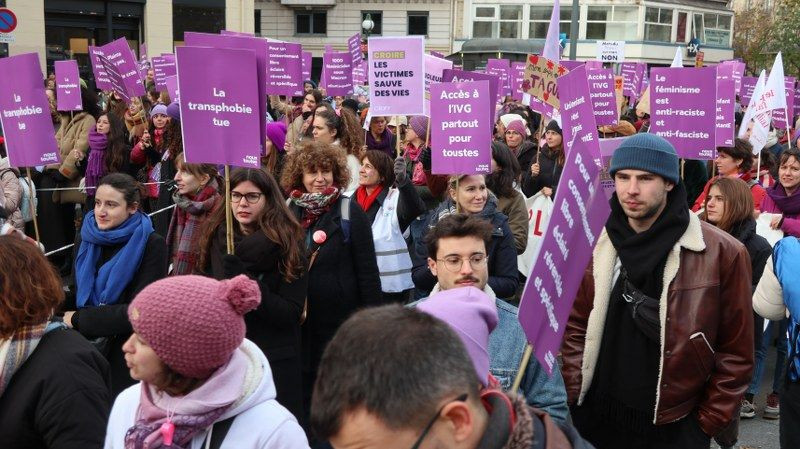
{"x": 644, "y": 309}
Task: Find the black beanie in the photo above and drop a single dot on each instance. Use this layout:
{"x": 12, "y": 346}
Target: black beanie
{"x": 553, "y": 126}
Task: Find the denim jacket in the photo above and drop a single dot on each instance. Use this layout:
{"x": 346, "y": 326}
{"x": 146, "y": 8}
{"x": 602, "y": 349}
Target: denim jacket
{"x": 506, "y": 346}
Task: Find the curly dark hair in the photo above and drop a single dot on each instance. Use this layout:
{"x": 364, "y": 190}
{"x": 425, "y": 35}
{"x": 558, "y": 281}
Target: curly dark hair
{"x": 309, "y": 157}
{"x": 346, "y": 126}
{"x": 30, "y": 288}
{"x": 741, "y": 149}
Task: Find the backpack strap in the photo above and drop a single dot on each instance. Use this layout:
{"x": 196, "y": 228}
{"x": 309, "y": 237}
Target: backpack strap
{"x": 345, "y": 212}
{"x": 220, "y": 431}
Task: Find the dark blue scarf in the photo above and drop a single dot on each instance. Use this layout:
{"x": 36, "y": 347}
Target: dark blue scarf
{"x": 104, "y": 286}
{"x": 785, "y": 257}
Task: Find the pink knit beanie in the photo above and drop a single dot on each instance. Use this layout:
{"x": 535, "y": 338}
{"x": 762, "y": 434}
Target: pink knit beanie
{"x": 519, "y": 127}
{"x": 194, "y": 323}
{"x": 419, "y": 123}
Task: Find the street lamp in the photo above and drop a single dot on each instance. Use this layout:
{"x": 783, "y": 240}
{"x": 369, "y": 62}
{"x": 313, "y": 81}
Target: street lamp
{"x": 366, "y": 26}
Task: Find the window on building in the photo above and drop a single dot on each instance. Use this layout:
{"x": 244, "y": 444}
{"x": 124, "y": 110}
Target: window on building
{"x": 196, "y": 18}
{"x": 497, "y": 21}
{"x": 717, "y": 29}
{"x": 697, "y": 26}
{"x": 418, "y": 23}
{"x": 311, "y": 22}
{"x": 377, "y": 19}
{"x": 540, "y": 20}
{"x": 257, "y": 22}
{"x": 658, "y": 24}
{"x": 618, "y": 23}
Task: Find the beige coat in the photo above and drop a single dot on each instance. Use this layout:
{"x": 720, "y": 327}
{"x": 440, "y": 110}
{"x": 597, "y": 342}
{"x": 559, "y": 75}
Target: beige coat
{"x": 11, "y": 194}
{"x": 73, "y": 135}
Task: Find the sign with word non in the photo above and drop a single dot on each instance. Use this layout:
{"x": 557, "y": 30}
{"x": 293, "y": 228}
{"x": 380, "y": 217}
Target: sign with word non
{"x": 611, "y": 51}
{"x": 219, "y": 107}
{"x": 460, "y": 130}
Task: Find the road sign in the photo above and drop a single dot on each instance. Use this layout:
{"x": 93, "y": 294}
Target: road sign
{"x": 7, "y": 39}
{"x": 8, "y": 20}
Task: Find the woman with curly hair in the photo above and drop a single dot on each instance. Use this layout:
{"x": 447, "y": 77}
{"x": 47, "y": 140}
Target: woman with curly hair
{"x": 54, "y": 388}
{"x": 268, "y": 247}
{"x": 337, "y": 236}
{"x": 341, "y": 130}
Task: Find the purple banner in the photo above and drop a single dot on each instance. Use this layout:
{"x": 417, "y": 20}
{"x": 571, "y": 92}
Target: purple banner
{"x": 604, "y": 99}
{"x": 797, "y": 100}
{"x": 577, "y": 115}
{"x": 100, "y": 75}
{"x": 163, "y": 67}
{"x": 306, "y": 65}
{"x": 25, "y": 113}
{"x": 68, "y": 86}
{"x": 434, "y": 71}
{"x": 219, "y": 107}
{"x": 779, "y": 115}
{"x": 500, "y": 68}
{"x": 726, "y": 104}
{"x": 142, "y": 51}
{"x": 594, "y": 65}
{"x": 607, "y": 149}
{"x": 571, "y": 65}
{"x": 236, "y": 33}
{"x": 683, "y": 105}
{"x": 579, "y": 213}
{"x": 171, "y": 83}
{"x": 632, "y": 74}
{"x": 397, "y": 75}
{"x": 285, "y": 69}
{"x": 119, "y": 53}
{"x": 517, "y": 75}
{"x": 748, "y": 86}
{"x": 257, "y": 45}
{"x": 360, "y": 74}
{"x": 115, "y": 79}
{"x": 437, "y": 54}
{"x": 459, "y": 76}
{"x": 354, "y": 46}
{"x": 338, "y": 71}
{"x": 461, "y": 133}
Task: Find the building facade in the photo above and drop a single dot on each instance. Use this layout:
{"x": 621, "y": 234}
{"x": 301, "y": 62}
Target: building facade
{"x": 64, "y": 29}
{"x": 651, "y": 29}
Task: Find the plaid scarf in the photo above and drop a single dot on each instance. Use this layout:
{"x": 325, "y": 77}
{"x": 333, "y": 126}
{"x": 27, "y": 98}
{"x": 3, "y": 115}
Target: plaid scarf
{"x": 183, "y": 235}
{"x": 16, "y": 350}
{"x": 314, "y": 205}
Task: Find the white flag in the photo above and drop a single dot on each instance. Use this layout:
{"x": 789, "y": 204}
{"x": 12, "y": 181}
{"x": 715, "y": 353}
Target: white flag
{"x": 677, "y": 61}
{"x": 775, "y": 90}
{"x": 552, "y": 44}
{"x": 755, "y": 100}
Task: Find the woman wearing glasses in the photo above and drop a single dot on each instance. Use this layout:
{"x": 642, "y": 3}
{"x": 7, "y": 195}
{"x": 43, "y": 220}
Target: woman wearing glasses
{"x": 343, "y": 273}
{"x": 469, "y": 194}
{"x": 267, "y": 248}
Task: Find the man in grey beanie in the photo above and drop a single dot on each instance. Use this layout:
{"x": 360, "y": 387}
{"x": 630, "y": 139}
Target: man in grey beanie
{"x": 658, "y": 350}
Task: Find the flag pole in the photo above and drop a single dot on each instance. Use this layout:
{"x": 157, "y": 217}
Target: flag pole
{"x": 397, "y": 133}
{"x": 228, "y": 218}
{"x": 33, "y": 208}
{"x": 526, "y": 357}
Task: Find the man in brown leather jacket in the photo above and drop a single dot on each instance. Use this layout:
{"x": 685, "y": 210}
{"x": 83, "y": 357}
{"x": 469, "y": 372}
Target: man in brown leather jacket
{"x": 658, "y": 350}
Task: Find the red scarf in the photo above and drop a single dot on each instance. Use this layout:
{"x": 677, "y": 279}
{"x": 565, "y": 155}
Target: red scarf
{"x": 365, "y": 200}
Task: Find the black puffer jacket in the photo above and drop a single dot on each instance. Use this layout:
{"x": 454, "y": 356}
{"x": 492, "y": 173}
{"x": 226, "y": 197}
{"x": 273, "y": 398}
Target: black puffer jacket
{"x": 549, "y": 172}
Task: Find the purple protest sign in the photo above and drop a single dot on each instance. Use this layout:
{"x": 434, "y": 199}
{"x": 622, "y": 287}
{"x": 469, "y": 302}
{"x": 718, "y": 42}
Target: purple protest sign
{"x": 461, "y": 134}
{"x": 68, "y": 87}
{"x": 577, "y": 115}
{"x": 579, "y": 213}
{"x": 570, "y": 65}
{"x": 285, "y": 69}
{"x": 119, "y": 53}
{"x": 360, "y": 74}
{"x": 607, "y": 149}
{"x": 143, "y": 51}
{"x": 162, "y": 68}
{"x": 257, "y": 45}
{"x": 397, "y": 75}
{"x": 604, "y": 99}
{"x": 338, "y": 73}
{"x": 219, "y": 112}
{"x": 25, "y": 113}
{"x": 645, "y": 82}
{"x": 500, "y": 68}
{"x": 726, "y": 105}
{"x": 632, "y": 76}
{"x": 459, "y": 76}
{"x": 437, "y": 54}
{"x": 746, "y": 92}
{"x": 171, "y": 83}
{"x": 683, "y": 104}
{"x": 779, "y": 115}
{"x": 797, "y": 100}
{"x": 99, "y": 71}
{"x": 306, "y": 65}
{"x": 236, "y": 33}
{"x": 115, "y": 78}
{"x": 517, "y": 75}
{"x": 354, "y": 46}
{"x": 594, "y": 65}
{"x": 434, "y": 71}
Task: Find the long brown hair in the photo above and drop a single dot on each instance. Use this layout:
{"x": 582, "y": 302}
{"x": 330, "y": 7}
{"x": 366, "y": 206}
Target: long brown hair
{"x": 739, "y": 204}
{"x": 277, "y": 223}
{"x": 348, "y": 130}
{"x": 118, "y": 149}
{"x": 30, "y": 288}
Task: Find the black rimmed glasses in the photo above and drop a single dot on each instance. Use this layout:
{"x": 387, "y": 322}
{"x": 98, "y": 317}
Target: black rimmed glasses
{"x": 251, "y": 197}
{"x": 435, "y": 417}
